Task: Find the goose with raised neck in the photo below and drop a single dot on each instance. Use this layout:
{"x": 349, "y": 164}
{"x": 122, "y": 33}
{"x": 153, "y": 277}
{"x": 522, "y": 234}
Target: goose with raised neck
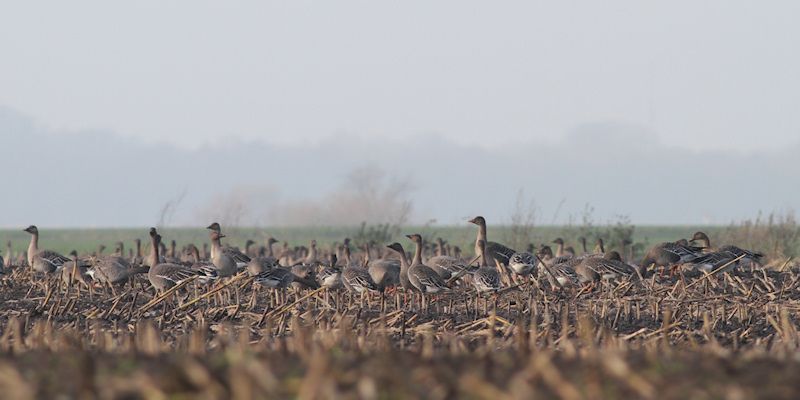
{"x": 45, "y": 261}
{"x": 422, "y": 277}
{"x": 495, "y": 252}
{"x": 166, "y": 275}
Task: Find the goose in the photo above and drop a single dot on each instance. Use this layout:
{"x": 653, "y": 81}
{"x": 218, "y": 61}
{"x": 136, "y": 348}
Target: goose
{"x": 275, "y": 278}
{"x": 138, "y": 259}
{"x": 247, "y": 248}
{"x": 748, "y": 256}
{"x": 582, "y": 241}
{"x": 670, "y": 254}
{"x": 197, "y": 263}
{"x": 437, "y": 266}
{"x": 486, "y": 279}
{"x": 311, "y": 258}
{"x": 405, "y": 282}
{"x": 43, "y": 261}
{"x": 270, "y": 253}
{"x": 238, "y": 257}
{"x": 9, "y": 255}
{"x": 560, "y": 269}
{"x": 608, "y": 267}
{"x": 600, "y": 247}
{"x": 330, "y": 276}
{"x": 385, "y": 272}
{"x": 523, "y": 263}
{"x": 422, "y": 277}
{"x": 305, "y": 276}
{"x": 119, "y": 249}
{"x": 355, "y": 277}
{"x": 113, "y": 270}
{"x": 495, "y": 252}
{"x": 154, "y": 258}
{"x": 223, "y": 261}
{"x": 260, "y": 264}
{"x": 164, "y": 276}
{"x": 75, "y": 270}
{"x": 559, "y": 242}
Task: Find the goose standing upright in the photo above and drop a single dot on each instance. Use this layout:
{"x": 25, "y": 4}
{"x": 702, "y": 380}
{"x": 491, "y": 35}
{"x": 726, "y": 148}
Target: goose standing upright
{"x": 437, "y": 267}
{"x": 495, "y": 252}
{"x": 240, "y": 259}
{"x": 355, "y": 277}
{"x": 405, "y": 283}
{"x": 164, "y": 276}
{"x": 9, "y": 255}
{"x": 225, "y": 264}
{"x": 422, "y": 277}
{"x": 44, "y": 261}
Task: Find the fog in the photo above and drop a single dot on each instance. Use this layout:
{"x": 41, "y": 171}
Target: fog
{"x": 101, "y": 179}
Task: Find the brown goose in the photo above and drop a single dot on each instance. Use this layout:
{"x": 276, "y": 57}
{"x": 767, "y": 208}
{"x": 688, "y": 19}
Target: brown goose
{"x": 45, "y": 261}
{"x": 166, "y": 275}
{"x": 495, "y": 252}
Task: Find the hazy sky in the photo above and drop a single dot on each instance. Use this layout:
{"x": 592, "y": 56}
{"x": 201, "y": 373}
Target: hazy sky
{"x": 700, "y": 74}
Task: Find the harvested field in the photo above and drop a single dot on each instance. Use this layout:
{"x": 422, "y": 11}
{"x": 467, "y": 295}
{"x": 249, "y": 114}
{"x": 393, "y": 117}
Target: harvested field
{"x": 727, "y": 335}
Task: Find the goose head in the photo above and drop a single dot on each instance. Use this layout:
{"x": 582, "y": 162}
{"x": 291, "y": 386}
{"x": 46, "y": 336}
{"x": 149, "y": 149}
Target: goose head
{"x": 478, "y": 221}
{"x": 214, "y": 227}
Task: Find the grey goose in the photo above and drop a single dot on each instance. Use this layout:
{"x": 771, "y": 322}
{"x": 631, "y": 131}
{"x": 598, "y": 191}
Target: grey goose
{"x": 238, "y": 257}
{"x": 423, "y": 278}
{"x": 113, "y": 270}
{"x": 405, "y": 283}
{"x": 608, "y": 267}
{"x": 748, "y": 256}
{"x": 43, "y": 261}
{"x": 670, "y": 254}
{"x": 486, "y": 279}
{"x": 385, "y": 272}
{"x": 437, "y": 267}
{"x": 330, "y": 276}
{"x": 75, "y": 270}
{"x": 355, "y": 277}
{"x": 164, "y": 276}
{"x": 495, "y": 252}
{"x": 223, "y": 261}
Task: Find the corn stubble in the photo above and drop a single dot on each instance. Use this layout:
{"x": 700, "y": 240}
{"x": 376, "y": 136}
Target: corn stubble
{"x": 731, "y": 335}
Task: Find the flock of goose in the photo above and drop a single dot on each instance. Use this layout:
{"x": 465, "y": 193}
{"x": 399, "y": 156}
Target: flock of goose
{"x": 494, "y": 269}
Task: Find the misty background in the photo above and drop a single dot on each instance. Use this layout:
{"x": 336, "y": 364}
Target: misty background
{"x": 307, "y": 113}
